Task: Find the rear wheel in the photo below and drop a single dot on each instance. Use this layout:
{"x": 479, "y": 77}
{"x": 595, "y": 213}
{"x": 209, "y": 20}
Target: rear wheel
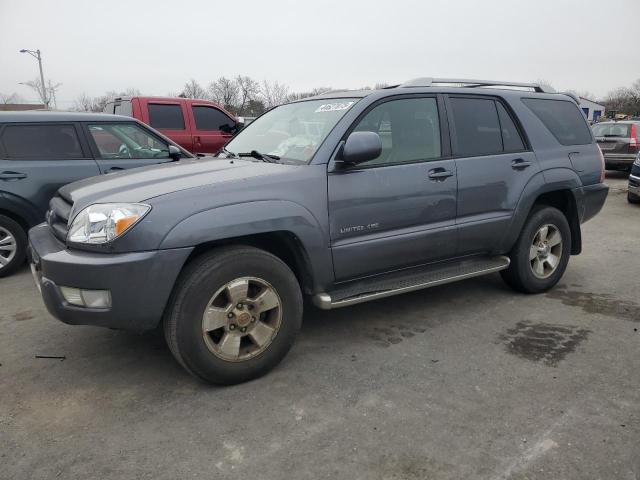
{"x": 234, "y": 315}
{"x": 541, "y": 254}
{"x": 13, "y": 245}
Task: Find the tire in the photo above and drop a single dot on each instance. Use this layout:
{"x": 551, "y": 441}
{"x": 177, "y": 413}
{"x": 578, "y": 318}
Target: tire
{"x": 13, "y": 245}
{"x": 207, "y": 283}
{"x": 631, "y": 198}
{"x": 520, "y": 275}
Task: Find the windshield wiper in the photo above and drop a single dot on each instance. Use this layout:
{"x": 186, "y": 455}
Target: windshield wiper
{"x": 260, "y": 156}
{"x": 229, "y": 153}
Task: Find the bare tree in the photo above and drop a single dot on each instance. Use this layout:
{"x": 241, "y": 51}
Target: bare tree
{"x": 85, "y": 103}
{"x": 192, "y": 89}
{"x": 36, "y": 86}
{"x": 248, "y": 90}
{"x": 225, "y": 91}
{"x": 273, "y": 93}
{"x": 6, "y": 98}
{"x": 312, "y": 93}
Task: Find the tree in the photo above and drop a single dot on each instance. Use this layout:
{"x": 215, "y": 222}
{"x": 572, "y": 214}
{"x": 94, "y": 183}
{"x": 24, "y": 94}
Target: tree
{"x": 624, "y": 99}
{"x": 6, "y": 98}
{"x": 192, "y": 89}
{"x": 36, "y": 86}
{"x": 225, "y": 91}
{"x": 248, "y": 91}
{"x": 85, "y": 103}
{"x": 273, "y": 93}
{"x": 312, "y": 93}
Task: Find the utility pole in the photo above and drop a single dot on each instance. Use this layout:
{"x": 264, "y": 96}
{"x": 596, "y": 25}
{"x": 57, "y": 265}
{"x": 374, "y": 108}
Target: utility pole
{"x": 37, "y": 56}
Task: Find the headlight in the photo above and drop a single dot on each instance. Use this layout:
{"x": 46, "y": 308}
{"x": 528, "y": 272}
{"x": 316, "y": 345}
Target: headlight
{"x": 104, "y": 222}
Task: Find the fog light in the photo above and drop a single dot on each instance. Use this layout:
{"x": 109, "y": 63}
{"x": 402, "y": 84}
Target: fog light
{"x": 87, "y": 298}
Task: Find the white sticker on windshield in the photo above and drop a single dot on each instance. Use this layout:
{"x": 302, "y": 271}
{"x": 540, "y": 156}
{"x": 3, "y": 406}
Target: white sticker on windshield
{"x": 334, "y": 107}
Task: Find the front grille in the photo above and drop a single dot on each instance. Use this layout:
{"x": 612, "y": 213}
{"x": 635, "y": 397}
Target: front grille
{"x": 58, "y": 216}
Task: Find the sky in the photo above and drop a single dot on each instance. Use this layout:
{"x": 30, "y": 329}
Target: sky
{"x": 91, "y": 46}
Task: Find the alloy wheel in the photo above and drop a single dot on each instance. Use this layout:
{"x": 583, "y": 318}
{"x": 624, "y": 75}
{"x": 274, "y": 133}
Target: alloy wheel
{"x": 8, "y": 247}
{"x": 545, "y": 251}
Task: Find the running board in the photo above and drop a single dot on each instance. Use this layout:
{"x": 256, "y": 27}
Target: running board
{"x": 409, "y": 280}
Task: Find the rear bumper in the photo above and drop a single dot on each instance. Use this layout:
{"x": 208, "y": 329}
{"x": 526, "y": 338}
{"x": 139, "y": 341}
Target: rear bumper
{"x": 619, "y": 159}
{"x": 590, "y": 200}
{"x": 140, "y": 282}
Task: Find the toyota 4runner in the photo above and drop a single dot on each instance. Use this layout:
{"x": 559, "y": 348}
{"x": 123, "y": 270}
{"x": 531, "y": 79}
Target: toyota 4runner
{"x": 345, "y": 197}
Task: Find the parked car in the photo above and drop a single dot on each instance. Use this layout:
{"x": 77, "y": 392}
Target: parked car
{"x": 633, "y": 193}
{"x": 618, "y": 142}
{"x": 345, "y": 197}
{"x": 42, "y": 151}
{"x": 200, "y": 126}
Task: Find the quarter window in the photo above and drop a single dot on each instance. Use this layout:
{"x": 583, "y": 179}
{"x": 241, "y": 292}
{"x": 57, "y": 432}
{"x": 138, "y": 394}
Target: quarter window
{"x": 127, "y": 140}
{"x": 210, "y": 118}
{"x": 511, "y": 139}
{"x": 166, "y": 116}
{"x": 41, "y": 142}
{"x": 562, "y": 118}
{"x": 477, "y": 127}
{"x": 409, "y": 130}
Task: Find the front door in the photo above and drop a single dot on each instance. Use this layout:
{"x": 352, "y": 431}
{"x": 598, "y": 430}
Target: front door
{"x": 122, "y": 145}
{"x": 212, "y": 128}
{"x": 37, "y": 159}
{"x": 397, "y": 210}
{"x": 494, "y": 166}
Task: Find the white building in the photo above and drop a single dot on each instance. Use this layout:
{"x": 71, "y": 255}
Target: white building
{"x": 591, "y": 109}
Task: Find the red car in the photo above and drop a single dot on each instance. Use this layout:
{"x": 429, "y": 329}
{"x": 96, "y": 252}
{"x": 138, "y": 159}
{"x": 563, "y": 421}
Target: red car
{"x": 200, "y": 126}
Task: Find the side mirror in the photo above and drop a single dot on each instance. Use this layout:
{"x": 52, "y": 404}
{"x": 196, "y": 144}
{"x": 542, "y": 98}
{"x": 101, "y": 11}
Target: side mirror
{"x": 174, "y": 153}
{"x": 361, "y": 147}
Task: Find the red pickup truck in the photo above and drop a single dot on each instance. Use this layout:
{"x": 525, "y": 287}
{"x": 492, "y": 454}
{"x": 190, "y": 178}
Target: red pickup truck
{"x": 200, "y": 126}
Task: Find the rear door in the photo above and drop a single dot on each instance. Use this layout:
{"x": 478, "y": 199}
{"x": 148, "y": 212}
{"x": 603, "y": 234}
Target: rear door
{"x": 397, "y": 210}
{"x": 36, "y": 159}
{"x": 494, "y": 165}
{"x": 169, "y": 118}
{"x": 122, "y": 145}
{"x": 212, "y": 128}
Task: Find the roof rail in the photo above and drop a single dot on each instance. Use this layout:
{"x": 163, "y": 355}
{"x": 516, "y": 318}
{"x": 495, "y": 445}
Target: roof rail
{"x": 428, "y": 82}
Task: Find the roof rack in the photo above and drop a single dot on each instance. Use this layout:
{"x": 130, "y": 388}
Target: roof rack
{"x": 428, "y": 82}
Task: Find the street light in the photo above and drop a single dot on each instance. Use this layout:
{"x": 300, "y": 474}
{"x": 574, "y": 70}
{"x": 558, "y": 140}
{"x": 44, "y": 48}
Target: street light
{"x": 37, "y": 56}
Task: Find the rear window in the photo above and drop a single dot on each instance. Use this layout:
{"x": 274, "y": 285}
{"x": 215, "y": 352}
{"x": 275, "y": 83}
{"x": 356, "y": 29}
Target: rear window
{"x": 41, "y": 142}
{"x": 562, "y": 118}
{"x": 612, "y": 130}
{"x": 166, "y": 116}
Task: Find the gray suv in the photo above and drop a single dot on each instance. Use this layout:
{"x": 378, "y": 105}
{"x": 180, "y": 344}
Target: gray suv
{"x": 344, "y": 198}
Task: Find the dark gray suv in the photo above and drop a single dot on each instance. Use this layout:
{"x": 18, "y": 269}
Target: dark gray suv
{"x": 346, "y": 197}
{"x": 42, "y": 151}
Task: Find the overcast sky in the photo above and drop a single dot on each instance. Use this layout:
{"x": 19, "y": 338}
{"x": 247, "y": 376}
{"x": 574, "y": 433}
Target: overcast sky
{"x": 157, "y": 45}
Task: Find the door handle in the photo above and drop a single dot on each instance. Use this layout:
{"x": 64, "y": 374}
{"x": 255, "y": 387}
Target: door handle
{"x": 439, "y": 174}
{"x": 520, "y": 164}
{"x": 114, "y": 169}
{"x": 12, "y": 175}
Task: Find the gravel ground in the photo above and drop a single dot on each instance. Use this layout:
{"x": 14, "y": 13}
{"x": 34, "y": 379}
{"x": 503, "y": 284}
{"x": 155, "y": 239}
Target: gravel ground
{"x": 468, "y": 380}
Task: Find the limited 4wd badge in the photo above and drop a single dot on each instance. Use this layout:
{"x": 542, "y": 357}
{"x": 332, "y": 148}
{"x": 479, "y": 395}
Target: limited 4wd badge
{"x": 334, "y": 107}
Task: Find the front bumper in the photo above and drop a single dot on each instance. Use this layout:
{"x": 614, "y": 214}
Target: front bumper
{"x": 634, "y": 185}
{"x": 140, "y": 282}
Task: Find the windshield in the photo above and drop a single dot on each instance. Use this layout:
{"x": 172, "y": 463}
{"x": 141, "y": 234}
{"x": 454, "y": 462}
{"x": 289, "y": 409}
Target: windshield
{"x": 293, "y": 131}
{"x": 611, "y": 130}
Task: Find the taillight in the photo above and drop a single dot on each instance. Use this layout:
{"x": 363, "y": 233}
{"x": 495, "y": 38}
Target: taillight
{"x": 601, "y": 164}
{"x": 633, "y": 139}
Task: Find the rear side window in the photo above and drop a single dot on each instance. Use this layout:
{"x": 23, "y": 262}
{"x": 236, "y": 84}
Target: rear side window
{"x": 562, "y": 118}
{"x": 166, "y": 116}
{"x": 477, "y": 126}
{"x": 41, "y": 142}
{"x": 123, "y": 108}
{"x": 209, "y": 118}
{"x": 511, "y": 139}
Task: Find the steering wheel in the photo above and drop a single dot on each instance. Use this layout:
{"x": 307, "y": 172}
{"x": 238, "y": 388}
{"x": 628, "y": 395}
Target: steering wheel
{"x": 124, "y": 151}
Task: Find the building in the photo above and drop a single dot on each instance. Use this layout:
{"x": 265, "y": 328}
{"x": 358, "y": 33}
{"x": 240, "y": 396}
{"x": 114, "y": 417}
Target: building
{"x": 591, "y": 109}
{"x": 15, "y": 107}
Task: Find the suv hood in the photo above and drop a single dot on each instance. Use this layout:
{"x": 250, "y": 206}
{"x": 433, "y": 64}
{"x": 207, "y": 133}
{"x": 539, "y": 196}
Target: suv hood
{"x": 142, "y": 184}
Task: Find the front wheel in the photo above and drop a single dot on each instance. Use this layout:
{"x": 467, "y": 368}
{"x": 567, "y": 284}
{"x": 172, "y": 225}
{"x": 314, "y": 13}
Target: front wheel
{"x": 234, "y": 315}
{"x": 13, "y": 245}
{"x": 541, "y": 254}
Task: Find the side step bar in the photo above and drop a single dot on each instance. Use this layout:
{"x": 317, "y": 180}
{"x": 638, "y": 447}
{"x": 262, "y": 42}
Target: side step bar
{"x": 409, "y": 281}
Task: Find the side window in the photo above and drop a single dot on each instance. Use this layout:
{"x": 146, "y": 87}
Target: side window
{"x": 210, "y": 118}
{"x": 511, "y": 139}
{"x": 123, "y": 108}
{"x": 477, "y": 126}
{"x": 41, "y": 142}
{"x": 127, "y": 140}
{"x": 562, "y": 118}
{"x": 166, "y": 116}
{"x": 409, "y": 130}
